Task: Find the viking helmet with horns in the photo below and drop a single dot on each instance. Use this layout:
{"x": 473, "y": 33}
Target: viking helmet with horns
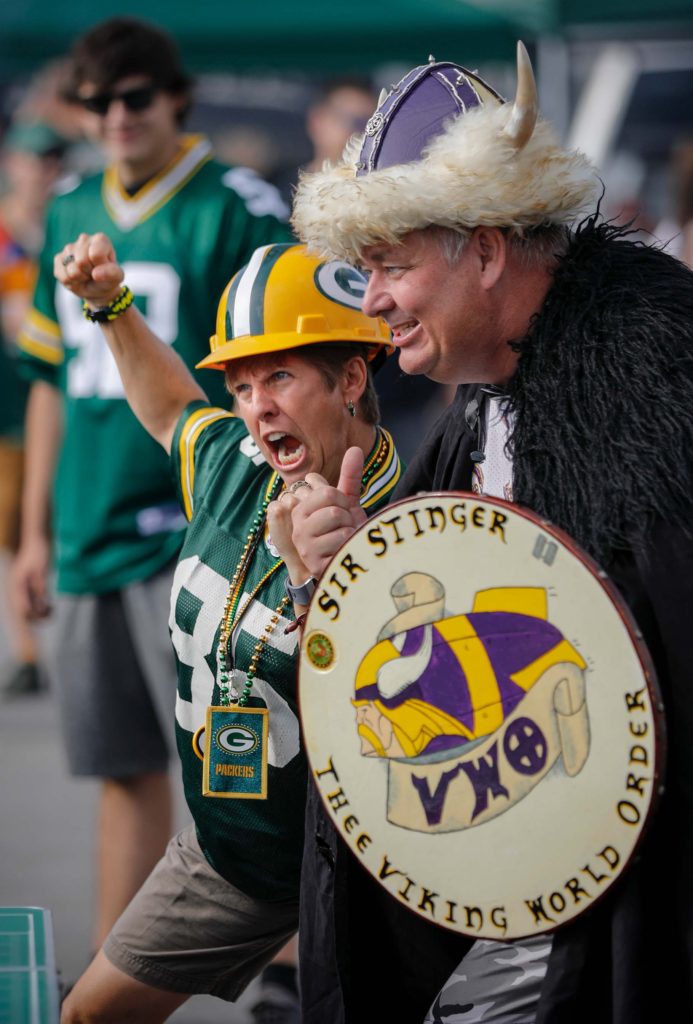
{"x": 444, "y": 148}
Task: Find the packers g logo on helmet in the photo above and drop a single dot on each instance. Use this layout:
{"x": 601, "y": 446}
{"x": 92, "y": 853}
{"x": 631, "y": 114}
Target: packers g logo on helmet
{"x": 285, "y": 299}
{"x": 341, "y": 282}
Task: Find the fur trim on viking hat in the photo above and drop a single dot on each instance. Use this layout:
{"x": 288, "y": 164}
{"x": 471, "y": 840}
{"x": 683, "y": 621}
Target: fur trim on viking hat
{"x": 480, "y": 162}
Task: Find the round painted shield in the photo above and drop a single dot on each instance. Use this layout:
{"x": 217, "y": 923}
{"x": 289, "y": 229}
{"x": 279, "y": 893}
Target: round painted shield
{"x": 480, "y": 715}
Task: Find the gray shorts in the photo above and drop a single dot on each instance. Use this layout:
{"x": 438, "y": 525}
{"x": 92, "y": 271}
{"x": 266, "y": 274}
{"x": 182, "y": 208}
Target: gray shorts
{"x": 189, "y": 930}
{"x": 498, "y": 982}
{"x": 111, "y": 659}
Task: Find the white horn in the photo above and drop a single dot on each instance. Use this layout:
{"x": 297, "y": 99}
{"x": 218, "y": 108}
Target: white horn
{"x": 396, "y": 675}
{"x": 526, "y": 106}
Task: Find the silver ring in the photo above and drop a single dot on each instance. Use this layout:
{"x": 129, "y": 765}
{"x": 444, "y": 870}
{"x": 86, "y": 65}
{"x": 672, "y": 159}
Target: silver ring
{"x": 298, "y": 483}
{"x": 67, "y": 259}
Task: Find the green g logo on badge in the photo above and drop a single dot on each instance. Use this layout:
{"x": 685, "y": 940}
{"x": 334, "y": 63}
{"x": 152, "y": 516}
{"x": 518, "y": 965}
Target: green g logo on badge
{"x": 236, "y": 739}
{"x": 234, "y": 761}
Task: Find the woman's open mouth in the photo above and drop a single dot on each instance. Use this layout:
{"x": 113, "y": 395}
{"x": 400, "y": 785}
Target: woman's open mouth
{"x": 288, "y": 450}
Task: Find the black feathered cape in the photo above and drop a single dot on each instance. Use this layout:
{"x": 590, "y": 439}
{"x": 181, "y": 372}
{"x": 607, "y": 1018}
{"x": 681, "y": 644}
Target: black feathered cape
{"x": 603, "y": 399}
{"x": 603, "y": 447}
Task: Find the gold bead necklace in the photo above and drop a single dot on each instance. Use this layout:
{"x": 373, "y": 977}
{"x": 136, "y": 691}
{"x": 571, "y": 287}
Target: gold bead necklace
{"x": 228, "y": 694}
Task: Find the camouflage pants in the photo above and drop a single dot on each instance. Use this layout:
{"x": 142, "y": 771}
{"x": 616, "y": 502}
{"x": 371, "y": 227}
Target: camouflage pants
{"x": 496, "y": 983}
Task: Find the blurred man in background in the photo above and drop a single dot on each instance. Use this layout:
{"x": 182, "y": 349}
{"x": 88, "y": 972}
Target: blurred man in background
{"x": 182, "y": 228}
{"x": 339, "y": 109}
{"x": 342, "y": 110}
{"x": 30, "y": 163}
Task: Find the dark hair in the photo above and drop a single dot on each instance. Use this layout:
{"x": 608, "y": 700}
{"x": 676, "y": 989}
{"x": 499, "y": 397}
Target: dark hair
{"x": 121, "y": 47}
{"x": 357, "y": 83}
{"x": 329, "y": 358}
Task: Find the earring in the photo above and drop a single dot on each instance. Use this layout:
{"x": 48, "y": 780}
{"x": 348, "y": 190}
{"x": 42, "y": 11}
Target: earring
{"x": 351, "y": 408}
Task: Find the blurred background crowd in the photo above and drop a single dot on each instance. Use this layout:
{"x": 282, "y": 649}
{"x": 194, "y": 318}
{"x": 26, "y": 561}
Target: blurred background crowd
{"x": 280, "y": 87}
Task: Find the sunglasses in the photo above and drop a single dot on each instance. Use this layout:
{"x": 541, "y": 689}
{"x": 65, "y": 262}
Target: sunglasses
{"x": 133, "y": 99}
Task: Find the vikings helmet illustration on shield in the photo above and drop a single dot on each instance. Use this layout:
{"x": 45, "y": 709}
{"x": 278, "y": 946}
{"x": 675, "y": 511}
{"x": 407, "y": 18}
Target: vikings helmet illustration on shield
{"x": 434, "y": 683}
{"x": 437, "y": 686}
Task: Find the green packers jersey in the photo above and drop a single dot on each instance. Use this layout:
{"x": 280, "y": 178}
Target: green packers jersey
{"x": 179, "y": 239}
{"x": 223, "y": 480}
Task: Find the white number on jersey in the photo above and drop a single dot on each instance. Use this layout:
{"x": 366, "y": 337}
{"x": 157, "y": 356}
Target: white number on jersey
{"x": 210, "y": 588}
{"x": 260, "y": 197}
{"x": 249, "y": 448}
{"x": 92, "y": 371}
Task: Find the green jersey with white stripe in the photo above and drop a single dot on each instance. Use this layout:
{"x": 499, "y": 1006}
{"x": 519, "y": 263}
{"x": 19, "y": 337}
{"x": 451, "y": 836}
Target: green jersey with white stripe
{"x": 223, "y": 479}
{"x": 179, "y": 238}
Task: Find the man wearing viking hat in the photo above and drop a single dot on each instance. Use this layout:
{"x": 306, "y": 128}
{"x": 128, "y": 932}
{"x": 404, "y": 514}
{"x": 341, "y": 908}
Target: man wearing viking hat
{"x": 573, "y": 344}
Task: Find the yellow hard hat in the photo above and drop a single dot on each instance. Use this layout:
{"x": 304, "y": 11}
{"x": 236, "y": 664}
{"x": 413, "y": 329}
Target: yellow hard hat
{"x": 283, "y": 299}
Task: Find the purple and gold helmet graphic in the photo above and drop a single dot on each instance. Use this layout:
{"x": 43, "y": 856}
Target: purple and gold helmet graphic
{"x": 433, "y": 683}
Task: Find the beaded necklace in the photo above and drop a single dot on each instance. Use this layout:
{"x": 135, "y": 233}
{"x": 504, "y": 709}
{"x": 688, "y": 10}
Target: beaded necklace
{"x": 377, "y": 458}
{"x": 228, "y": 694}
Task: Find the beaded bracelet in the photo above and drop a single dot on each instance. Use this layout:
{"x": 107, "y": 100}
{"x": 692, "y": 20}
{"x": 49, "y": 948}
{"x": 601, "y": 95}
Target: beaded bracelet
{"x": 104, "y": 314}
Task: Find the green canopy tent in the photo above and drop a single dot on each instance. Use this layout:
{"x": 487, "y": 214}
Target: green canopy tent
{"x": 562, "y": 17}
{"x": 309, "y": 36}
{"x": 623, "y": 13}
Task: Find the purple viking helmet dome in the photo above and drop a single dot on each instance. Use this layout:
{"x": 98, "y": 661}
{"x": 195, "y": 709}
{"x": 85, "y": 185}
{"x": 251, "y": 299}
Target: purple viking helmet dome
{"x": 416, "y": 110}
{"x": 443, "y": 148}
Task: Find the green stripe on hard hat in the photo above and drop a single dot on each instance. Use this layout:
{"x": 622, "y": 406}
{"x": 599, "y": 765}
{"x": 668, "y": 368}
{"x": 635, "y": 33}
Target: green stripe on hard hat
{"x": 286, "y": 299}
{"x": 257, "y": 295}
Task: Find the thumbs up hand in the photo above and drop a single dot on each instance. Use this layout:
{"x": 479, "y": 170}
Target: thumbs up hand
{"x": 324, "y": 517}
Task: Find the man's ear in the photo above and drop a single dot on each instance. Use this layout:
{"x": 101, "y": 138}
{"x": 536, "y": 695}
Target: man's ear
{"x": 491, "y": 246}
